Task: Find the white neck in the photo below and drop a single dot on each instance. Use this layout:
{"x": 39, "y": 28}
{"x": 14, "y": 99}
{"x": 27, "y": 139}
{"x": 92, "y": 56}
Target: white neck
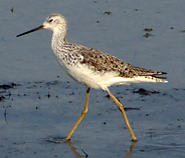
{"x": 58, "y": 38}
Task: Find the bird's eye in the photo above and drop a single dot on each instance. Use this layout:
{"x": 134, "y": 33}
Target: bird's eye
{"x": 51, "y": 20}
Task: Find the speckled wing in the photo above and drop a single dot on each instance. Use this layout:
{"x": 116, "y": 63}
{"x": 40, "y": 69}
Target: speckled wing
{"x": 103, "y": 62}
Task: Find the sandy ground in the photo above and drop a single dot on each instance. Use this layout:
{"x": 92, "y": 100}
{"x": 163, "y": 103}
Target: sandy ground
{"x": 40, "y": 103}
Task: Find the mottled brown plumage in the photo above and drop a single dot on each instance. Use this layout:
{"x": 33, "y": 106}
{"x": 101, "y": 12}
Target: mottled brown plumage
{"x": 103, "y": 62}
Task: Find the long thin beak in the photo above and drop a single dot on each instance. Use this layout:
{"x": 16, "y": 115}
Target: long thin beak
{"x": 33, "y": 30}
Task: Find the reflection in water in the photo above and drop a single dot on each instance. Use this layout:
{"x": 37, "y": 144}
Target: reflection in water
{"x": 130, "y": 152}
{"x": 77, "y": 155}
{"x": 61, "y": 140}
{"x": 73, "y": 148}
{"x": 85, "y": 155}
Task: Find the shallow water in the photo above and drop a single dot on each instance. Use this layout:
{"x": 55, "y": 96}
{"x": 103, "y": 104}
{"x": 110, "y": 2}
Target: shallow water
{"x": 43, "y": 103}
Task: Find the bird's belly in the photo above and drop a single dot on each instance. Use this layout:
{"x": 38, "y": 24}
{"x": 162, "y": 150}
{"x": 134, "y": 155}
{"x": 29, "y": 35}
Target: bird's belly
{"x": 90, "y": 78}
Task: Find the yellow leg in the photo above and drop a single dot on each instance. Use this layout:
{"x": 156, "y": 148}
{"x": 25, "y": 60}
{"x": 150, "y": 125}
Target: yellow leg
{"x": 121, "y": 108}
{"x": 84, "y": 112}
